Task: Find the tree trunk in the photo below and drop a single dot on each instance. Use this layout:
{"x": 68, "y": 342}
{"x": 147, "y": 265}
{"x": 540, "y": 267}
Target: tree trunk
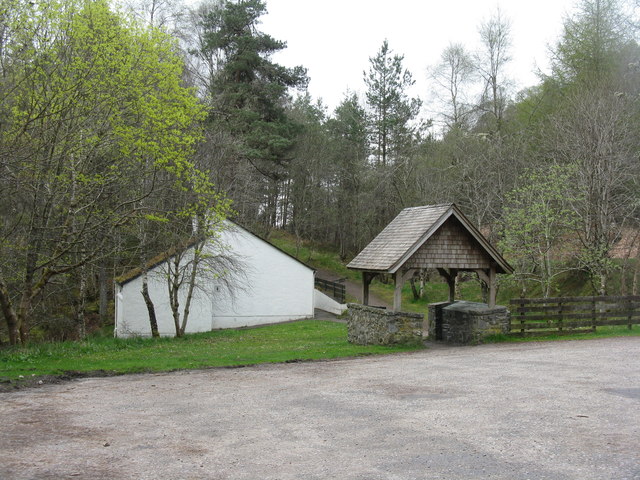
{"x": 603, "y": 284}
{"x": 23, "y": 315}
{"x": 193, "y": 275}
{"x": 173, "y": 284}
{"x": 81, "y": 325}
{"x": 9, "y": 313}
{"x": 150, "y": 307}
{"x": 414, "y": 290}
{"x": 103, "y": 287}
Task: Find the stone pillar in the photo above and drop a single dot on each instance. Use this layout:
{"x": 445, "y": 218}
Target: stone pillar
{"x": 471, "y": 322}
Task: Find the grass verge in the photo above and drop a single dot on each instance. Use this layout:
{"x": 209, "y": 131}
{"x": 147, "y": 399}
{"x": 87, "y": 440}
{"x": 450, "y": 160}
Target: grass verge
{"x": 303, "y": 340}
{"x": 601, "y": 332}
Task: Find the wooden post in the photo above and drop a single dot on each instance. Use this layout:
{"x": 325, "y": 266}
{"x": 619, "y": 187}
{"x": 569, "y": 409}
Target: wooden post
{"x": 522, "y": 315}
{"x": 397, "y": 293}
{"x": 366, "y": 280}
{"x": 451, "y": 280}
{"x": 400, "y": 279}
{"x": 493, "y": 290}
{"x": 560, "y": 316}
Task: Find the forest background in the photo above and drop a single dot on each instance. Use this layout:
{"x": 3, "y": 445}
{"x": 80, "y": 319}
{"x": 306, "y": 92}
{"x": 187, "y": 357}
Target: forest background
{"x": 126, "y": 130}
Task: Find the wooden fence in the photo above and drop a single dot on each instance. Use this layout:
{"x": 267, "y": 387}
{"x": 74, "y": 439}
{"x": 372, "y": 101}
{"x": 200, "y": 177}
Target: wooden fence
{"x": 565, "y": 315}
{"x": 336, "y": 290}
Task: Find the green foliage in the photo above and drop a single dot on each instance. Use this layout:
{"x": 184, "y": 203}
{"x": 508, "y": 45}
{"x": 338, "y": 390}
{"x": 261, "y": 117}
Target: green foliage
{"x": 95, "y": 120}
{"x": 247, "y": 89}
{"x": 538, "y": 223}
{"x": 593, "y": 44}
{"x": 391, "y": 110}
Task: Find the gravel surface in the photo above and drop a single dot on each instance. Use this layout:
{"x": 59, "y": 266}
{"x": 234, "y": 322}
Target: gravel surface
{"x": 556, "y": 410}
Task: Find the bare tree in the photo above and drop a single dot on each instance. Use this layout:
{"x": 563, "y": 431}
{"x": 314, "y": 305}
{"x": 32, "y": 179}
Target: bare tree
{"x": 595, "y": 134}
{"x": 491, "y": 60}
{"x": 453, "y": 75}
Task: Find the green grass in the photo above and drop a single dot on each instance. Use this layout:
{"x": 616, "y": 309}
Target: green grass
{"x": 303, "y": 340}
{"x": 316, "y": 256}
{"x": 601, "y": 332}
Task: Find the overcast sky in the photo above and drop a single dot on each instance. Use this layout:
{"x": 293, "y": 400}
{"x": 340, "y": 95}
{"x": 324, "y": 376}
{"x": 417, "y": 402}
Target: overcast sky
{"x": 334, "y": 39}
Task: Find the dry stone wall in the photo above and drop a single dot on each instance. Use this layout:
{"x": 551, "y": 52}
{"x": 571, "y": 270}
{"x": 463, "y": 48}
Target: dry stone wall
{"x": 375, "y": 326}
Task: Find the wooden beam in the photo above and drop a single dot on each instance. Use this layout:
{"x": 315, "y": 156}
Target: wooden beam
{"x": 450, "y": 277}
{"x": 453, "y": 273}
{"x": 493, "y": 286}
{"x": 366, "y": 281}
{"x": 489, "y": 277}
{"x": 399, "y": 279}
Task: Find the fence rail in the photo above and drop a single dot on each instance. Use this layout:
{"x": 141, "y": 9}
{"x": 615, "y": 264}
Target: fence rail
{"x": 564, "y": 315}
{"x": 337, "y": 289}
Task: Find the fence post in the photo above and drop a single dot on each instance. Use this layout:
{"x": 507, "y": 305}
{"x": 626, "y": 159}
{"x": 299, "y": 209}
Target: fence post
{"x": 630, "y": 314}
{"x": 522, "y": 315}
{"x": 593, "y": 314}
{"x": 560, "y": 318}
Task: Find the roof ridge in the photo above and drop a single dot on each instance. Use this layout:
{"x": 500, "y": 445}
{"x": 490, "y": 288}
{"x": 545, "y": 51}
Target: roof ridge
{"x": 428, "y": 206}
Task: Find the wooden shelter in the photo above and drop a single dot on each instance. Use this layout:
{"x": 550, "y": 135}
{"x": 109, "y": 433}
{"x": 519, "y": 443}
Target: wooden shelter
{"x": 432, "y": 236}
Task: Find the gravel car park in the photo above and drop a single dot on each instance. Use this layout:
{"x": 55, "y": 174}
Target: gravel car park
{"x": 549, "y": 410}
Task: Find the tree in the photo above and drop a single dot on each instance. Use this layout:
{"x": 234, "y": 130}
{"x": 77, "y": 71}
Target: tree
{"x": 391, "y": 111}
{"x": 392, "y": 131}
{"x": 595, "y": 134}
{"x": 348, "y": 133}
{"x": 594, "y": 44}
{"x": 194, "y": 265}
{"x": 594, "y": 126}
{"x": 538, "y": 224}
{"x": 495, "y": 40}
{"x": 93, "y": 114}
{"x": 248, "y": 93}
{"x": 452, "y": 75}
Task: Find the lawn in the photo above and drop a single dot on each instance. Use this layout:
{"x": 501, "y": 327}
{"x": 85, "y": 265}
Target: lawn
{"x": 303, "y": 340}
{"x": 601, "y": 332}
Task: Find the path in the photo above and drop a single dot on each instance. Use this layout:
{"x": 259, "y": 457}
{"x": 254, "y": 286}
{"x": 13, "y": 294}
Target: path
{"x": 353, "y": 289}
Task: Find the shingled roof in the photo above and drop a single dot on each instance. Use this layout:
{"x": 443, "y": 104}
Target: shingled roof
{"x": 409, "y": 231}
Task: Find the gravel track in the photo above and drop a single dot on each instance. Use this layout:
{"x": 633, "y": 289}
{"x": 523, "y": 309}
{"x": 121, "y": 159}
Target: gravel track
{"x": 555, "y": 410}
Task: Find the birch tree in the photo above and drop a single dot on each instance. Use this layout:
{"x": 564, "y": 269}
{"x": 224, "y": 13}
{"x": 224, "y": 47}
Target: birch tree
{"x": 91, "y": 104}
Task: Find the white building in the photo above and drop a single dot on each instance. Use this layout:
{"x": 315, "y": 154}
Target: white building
{"x": 274, "y": 287}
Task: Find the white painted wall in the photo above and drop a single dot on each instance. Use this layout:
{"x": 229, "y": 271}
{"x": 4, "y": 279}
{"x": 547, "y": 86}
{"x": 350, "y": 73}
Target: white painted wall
{"x": 328, "y": 304}
{"x": 276, "y": 288}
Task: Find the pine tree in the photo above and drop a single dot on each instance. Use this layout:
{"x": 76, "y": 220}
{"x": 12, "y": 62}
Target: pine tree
{"x": 391, "y": 111}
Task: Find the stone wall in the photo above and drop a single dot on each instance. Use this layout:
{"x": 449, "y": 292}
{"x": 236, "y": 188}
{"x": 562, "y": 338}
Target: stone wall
{"x": 375, "y": 326}
{"x": 469, "y": 322}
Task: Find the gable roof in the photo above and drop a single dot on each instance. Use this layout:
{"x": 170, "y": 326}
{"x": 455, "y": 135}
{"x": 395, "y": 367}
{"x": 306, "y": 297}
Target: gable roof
{"x": 411, "y": 229}
{"x": 183, "y": 246}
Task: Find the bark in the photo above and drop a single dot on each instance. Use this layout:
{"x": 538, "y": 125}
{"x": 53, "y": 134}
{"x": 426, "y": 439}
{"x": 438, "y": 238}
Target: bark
{"x": 81, "y": 303}
{"x": 103, "y": 287}
{"x": 192, "y": 282}
{"x": 150, "y": 307}
{"x": 414, "y": 290}
{"x": 173, "y": 282}
{"x": 9, "y": 313}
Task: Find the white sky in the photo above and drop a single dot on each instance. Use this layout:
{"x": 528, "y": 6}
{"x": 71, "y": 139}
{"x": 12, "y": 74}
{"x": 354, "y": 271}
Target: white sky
{"x": 334, "y": 39}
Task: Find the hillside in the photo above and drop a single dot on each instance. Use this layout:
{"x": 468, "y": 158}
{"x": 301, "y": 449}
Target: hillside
{"x": 326, "y": 260}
